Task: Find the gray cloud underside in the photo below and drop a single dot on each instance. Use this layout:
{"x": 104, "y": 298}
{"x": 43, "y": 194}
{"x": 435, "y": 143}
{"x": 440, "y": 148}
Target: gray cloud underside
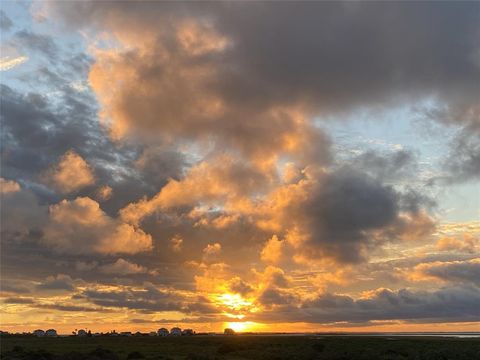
{"x": 450, "y": 304}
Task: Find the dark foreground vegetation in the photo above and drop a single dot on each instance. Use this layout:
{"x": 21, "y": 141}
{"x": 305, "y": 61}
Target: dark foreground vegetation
{"x": 239, "y": 347}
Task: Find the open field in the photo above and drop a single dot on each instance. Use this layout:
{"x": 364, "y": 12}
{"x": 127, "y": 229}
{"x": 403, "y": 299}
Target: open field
{"x": 239, "y": 347}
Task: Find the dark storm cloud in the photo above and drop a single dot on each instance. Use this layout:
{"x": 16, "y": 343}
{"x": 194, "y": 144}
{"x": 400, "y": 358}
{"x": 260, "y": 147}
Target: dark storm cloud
{"x": 5, "y": 22}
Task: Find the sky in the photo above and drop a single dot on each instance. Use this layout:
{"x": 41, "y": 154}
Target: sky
{"x": 264, "y": 166}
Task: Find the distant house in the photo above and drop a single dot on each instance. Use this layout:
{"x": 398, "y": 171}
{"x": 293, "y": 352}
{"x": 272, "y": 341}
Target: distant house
{"x": 229, "y": 331}
{"x": 163, "y": 332}
{"x": 126, "y": 333}
{"x": 187, "y": 332}
{"x": 51, "y": 332}
{"x": 152, "y": 333}
{"x": 81, "y": 332}
{"x": 176, "y": 331}
{"x": 39, "y": 333}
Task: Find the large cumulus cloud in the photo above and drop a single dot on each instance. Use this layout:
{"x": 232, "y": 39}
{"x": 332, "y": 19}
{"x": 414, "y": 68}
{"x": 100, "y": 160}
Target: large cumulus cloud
{"x": 327, "y": 55}
{"x": 81, "y": 227}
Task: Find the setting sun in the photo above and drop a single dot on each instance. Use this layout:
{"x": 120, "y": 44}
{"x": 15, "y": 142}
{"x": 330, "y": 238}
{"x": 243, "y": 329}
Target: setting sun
{"x": 242, "y": 326}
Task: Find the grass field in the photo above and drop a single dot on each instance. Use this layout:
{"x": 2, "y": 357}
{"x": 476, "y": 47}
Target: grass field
{"x": 239, "y": 347}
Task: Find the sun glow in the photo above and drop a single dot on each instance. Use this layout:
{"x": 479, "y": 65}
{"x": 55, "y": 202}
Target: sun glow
{"x": 234, "y": 301}
{"x": 241, "y": 326}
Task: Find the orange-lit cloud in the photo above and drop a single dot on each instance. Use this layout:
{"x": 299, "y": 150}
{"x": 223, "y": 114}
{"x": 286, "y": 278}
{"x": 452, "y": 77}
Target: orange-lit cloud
{"x": 70, "y": 174}
{"x": 81, "y": 227}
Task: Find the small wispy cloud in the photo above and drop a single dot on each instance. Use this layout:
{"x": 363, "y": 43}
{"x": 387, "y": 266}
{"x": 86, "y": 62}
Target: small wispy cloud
{"x": 8, "y": 62}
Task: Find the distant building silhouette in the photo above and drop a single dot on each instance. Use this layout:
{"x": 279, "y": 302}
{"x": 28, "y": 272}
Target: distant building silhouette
{"x": 51, "y": 332}
{"x": 176, "y": 331}
{"x": 39, "y": 333}
{"x": 163, "y": 332}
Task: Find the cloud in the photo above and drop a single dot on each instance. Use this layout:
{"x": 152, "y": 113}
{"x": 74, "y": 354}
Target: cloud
{"x": 212, "y": 251}
{"x": 452, "y": 271}
{"x": 396, "y": 166}
{"x": 36, "y": 42}
{"x": 255, "y": 63}
{"x": 104, "y": 193}
{"x": 147, "y": 299}
{"x": 25, "y": 214}
{"x": 273, "y": 250}
{"x": 466, "y": 243}
{"x": 122, "y": 267}
{"x": 81, "y": 227}
{"x": 213, "y": 182}
{"x": 8, "y": 63}
{"x": 70, "y": 174}
{"x": 60, "y": 282}
{"x": 450, "y": 304}
{"x": 5, "y": 22}
{"x": 8, "y": 186}
{"x": 18, "y": 300}
{"x": 182, "y": 95}
{"x": 176, "y": 243}
{"x": 339, "y": 215}
{"x": 463, "y": 160}
{"x": 9, "y": 287}
{"x": 85, "y": 266}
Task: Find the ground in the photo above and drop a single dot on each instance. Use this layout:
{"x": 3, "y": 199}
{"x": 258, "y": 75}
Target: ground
{"x": 239, "y": 347}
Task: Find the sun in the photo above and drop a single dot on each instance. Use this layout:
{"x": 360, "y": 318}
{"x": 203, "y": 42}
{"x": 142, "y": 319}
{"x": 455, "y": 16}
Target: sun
{"x": 240, "y": 326}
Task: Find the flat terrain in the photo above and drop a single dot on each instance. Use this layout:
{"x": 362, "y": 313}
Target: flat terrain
{"x": 239, "y": 347}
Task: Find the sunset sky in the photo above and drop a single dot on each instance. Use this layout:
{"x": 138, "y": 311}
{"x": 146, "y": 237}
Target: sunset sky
{"x": 265, "y": 166}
